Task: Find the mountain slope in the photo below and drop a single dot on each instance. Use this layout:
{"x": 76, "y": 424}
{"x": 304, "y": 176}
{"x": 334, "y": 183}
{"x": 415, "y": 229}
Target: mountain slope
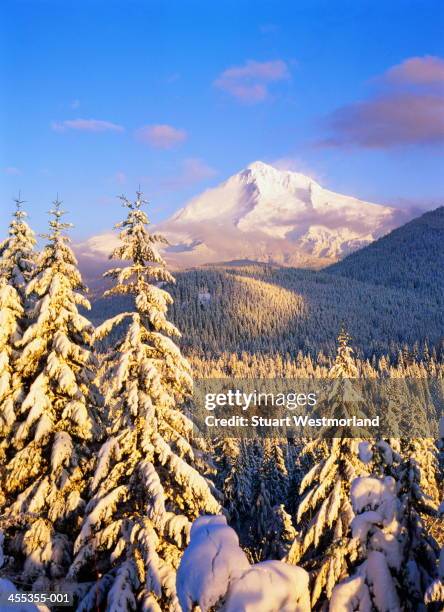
{"x": 260, "y": 308}
{"x": 270, "y": 215}
{"x": 260, "y": 214}
{"x": 410, "y": 257}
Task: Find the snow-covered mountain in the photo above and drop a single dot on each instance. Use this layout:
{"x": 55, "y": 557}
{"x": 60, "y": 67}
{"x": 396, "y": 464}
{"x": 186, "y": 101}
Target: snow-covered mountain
{"x": 261, "y": 214}
{"x": 266, "y": 214}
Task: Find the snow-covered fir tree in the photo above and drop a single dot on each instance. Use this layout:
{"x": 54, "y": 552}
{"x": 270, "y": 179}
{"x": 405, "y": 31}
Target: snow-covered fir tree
{"x": 419, "y": 498}
{"x": 395, "y": 566}
{"x": 377, "y": 530}
{"x": 275, "y": 473}
{"x": 397, "y": 559}
{"x": 241, "y": 489}
{"x": 149, "y": 482}
{"x": 46, "y": 461}
{"x": 273, "y": 531}
{"x": 17, "y": 257}
{"x": 344, "y": 366}
{"x": 16, "y": 265}
{"x": 434, "y": 596}
{"x": 226, "y": 451}
{"x": 324, "y": 544}
{"x": 281, "y": 533}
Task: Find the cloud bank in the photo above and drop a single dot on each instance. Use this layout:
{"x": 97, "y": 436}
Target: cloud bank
{"x": 390, "y": 120}
{"x": 409, "y": 110}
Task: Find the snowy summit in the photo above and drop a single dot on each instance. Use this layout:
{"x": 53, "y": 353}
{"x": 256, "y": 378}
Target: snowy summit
{"x": 266, "y": 214}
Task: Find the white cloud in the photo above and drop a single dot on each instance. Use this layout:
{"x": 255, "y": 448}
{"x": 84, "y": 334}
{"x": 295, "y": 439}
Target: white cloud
{"x": 100, "y": 245}
{"x": 86, "y": 125}
{"x": 161, "y": 136}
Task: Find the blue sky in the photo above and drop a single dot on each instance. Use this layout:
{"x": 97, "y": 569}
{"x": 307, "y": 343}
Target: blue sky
{"x": 99, "y": 96}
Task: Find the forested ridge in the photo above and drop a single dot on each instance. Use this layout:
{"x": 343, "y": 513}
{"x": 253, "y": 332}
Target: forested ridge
{"x": 268, "y": 309}
{"x": 410, "y": 257}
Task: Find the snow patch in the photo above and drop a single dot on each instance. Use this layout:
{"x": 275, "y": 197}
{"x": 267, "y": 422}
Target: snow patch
{"x": 365, "y": 451}
{"x": 270, "y": 586}
{"x": 372, "y": 493}
{"x": 211, "y": 562}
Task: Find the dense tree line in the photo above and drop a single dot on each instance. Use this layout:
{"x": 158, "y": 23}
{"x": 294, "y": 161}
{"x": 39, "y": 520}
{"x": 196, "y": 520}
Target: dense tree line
{"x": 410, "y": 257}
{"x": 273, "y": 310}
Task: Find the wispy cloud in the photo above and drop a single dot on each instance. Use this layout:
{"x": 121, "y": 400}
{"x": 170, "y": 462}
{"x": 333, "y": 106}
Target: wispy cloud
{"x": 12, "y": 171}
{"x": 416, "y": 206}
{"x": 86, "y": 125}
{"x": 75, "y": 104}
{"x": 408, "y": 110}
{"x": 193, "y": 170}
{"x": 161, "y": 136}
{"x": 250, "y": 82}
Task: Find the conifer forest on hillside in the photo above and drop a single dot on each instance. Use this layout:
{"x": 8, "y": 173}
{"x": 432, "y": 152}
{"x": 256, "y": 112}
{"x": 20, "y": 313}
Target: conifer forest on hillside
{"x": 108, "y": 494}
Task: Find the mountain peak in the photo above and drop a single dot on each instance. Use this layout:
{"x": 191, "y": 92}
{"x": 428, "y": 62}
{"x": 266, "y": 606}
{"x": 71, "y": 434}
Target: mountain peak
{"x": 260, "y": 166}
{"x": 267, "y": 214}
{"x": 263, "y": 213}
{"x": 260, "y": 171}
{"x": 289, "y": 179}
